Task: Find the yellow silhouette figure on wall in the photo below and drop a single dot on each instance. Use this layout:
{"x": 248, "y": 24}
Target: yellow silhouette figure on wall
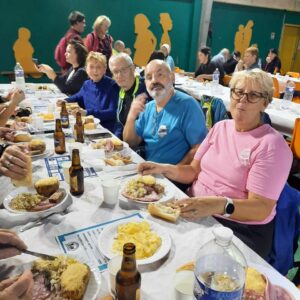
{"x": 145, "y": 42}
{"x": 24, "y": 51}
{"x": 243, "y": 37}
{"x": 167, "y": 25}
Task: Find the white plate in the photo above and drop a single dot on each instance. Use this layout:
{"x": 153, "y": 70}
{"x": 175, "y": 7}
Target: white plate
{"x": 168, "y": 195}
{"x": 20, "y": 190}
{"x": 44, "y": 154}
{"x": 73, "y": 119}
{"x": 277, "y": 279}
{"x": 93, "y": 287}
{"x": 109, "y": 233}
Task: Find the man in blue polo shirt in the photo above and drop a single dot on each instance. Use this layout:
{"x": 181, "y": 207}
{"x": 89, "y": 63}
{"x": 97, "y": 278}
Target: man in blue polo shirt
{"x": 172, "y": 127}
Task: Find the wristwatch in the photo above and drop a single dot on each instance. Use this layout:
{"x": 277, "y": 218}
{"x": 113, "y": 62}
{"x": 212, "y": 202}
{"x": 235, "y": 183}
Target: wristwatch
{"x": 229, "y": 207}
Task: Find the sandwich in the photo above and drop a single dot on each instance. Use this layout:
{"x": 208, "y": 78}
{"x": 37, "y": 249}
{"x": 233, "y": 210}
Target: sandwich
{"x": 21, "y": 136}
{"x": 166, "y": 211}
{"x": 74, "y": 281}
{"x": 37, "y": 146}
{"x": 118, "y": 160}
{"x": 255, "y": 285}
{"x": 118, "y": 145}
{"x": 90, "y": 126}
{"x": 47, "y": 186}
{"x": 88, "y": 119}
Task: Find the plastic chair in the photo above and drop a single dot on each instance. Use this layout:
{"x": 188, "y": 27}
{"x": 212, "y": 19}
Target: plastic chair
{"x": 293, "y": 74}
{"x": 295, "y": 142}
{"x": 286, "y": 230}
{"x": 226, "y": 80}
{"x": 276, "y": 93}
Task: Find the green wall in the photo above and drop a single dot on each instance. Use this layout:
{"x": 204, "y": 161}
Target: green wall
{"x": 226, "y": 19}
{"x": 47, "y": 21}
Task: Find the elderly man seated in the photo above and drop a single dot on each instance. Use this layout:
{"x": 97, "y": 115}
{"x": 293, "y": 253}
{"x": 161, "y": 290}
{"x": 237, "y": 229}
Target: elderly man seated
{"x": 221, "y": 57}
{"x": 249, "y": 61}
{"x": 172, "y": 126}
{"x": 131, "y": 85}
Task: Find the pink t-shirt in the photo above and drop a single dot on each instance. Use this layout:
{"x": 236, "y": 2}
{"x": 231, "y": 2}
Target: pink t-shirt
{"x": 233, "y": 163}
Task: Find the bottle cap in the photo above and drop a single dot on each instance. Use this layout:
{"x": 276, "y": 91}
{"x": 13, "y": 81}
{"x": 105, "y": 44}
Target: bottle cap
{"x": 223, "y": 235}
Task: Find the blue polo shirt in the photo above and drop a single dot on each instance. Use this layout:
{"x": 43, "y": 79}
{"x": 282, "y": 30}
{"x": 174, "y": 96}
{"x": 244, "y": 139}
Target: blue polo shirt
{"x": 170, "y": 134}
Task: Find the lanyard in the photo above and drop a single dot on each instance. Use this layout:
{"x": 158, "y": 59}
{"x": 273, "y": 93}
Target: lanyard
{"x": 122, "y": 96}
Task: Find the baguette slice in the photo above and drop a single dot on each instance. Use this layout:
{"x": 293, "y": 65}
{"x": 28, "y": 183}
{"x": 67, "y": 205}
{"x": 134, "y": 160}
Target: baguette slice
{"x": 164, "y": 211}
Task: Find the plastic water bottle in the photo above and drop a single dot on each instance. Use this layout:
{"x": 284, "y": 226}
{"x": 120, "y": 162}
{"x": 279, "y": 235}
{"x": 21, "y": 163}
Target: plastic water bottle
{"x": 19, "y": 77}
{"x": 216, "y": 76}
{"x": 288, "y": 95}
{"x": 220, "y": 268}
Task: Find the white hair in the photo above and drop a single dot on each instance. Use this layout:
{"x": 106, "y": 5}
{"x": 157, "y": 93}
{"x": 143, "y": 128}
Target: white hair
{"x": 121, "y": 56}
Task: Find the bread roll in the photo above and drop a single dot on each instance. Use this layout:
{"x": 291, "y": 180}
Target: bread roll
{"x": 88, "y": 119}
{"x": 22, "y": 137}
{"x": 74, "y": 281}
{"x": 37, "y": 146}
{"x": 27, "y": 181}
{"x": 163, "y": 211}
{"x": 90, "y": 126}
{"x": 47, "y": 186}
{"x": 118, "y": 145}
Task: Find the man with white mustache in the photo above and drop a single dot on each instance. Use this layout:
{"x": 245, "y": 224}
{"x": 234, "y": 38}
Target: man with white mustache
{"x": 172, "y": 127}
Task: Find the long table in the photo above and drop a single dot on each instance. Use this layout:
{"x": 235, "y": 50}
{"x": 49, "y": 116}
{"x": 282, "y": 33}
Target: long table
{"x": 88, "y": 210}
{"x": 282, "y": 119}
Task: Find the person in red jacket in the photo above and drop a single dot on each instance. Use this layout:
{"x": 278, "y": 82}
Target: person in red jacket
{"x": 77, "y": 22}
{"x": 99, "y": 40}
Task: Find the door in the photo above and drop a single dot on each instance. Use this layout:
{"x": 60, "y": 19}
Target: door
{"x": 290, "y": 49}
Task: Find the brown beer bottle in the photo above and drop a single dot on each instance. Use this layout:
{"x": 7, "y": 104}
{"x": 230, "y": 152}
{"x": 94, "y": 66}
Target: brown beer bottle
{"x": 128, "y": 279}
{"x": 64, "y": 116}
{"x": 76, "y": 175}
{"x": 59, "y": 138}
{"x": 79, "y": 129}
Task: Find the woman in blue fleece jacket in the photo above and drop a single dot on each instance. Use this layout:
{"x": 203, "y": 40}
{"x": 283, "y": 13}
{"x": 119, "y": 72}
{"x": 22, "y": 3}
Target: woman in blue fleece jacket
{"x": 98, "y": 95}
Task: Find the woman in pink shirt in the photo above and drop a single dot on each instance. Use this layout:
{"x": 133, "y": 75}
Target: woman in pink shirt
{"x": 240, "y": 168}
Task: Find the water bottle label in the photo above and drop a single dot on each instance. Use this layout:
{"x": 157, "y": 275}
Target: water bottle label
{"x": 203, "y": 292}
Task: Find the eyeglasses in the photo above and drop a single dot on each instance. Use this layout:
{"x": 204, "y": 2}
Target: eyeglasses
{"x": 121, "y": 71}
{"x": 252, "y": 97}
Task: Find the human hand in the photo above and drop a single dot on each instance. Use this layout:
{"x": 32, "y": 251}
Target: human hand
{"x": 18, "y": 288}
{"x": 12, "y": 244}
{"x": 200, "y": 78}
{"x": 137, "y": 106}
{"x": 44, "y": 68}
{"x": 17, "y": 96}
{"x": 268, "y": 59}
{"x": 14, "y": 162}
{"x": 147, "y": 168}
{"x": 7, "y": 133}
{"x": 60, "y": 101}
{"x": 191, "y": 208}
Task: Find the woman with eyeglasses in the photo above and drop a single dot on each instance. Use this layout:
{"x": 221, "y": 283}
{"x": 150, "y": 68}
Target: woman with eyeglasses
{"x": 240, "y": 168}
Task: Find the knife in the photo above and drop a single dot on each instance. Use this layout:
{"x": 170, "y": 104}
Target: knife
{"x": 36, "y": 222}
{"x": 37, "y": 254}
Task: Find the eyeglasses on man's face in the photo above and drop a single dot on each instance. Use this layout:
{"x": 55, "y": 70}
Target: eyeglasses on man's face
{"x": 251, "y": 97}
{"x": 120, "y": 71}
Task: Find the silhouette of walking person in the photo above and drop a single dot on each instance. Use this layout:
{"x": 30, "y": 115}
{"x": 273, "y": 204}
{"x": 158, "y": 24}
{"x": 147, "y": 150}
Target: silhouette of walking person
{"x": 243, "y": 37}
{"x": 167, "y": 25}
{"x": 23, "y": 52}
{"x": 145, "y": 42}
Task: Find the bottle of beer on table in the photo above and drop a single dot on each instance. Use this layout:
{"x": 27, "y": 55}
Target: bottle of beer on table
{"x": 64, "y": 116}
{"x": 59, "y": 138}
{"x": 76, "y": 175}
{"x": 79, "y": 129}
{"x": 128, "y": 279}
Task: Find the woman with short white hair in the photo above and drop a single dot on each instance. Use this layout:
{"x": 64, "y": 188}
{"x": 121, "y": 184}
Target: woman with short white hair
{"x": 99, "y": 40}
{"x": 239, "y": 169}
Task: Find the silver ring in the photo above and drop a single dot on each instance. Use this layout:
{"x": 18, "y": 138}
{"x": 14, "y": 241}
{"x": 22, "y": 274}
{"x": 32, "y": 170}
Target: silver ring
{"x": 8, "y": 164}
